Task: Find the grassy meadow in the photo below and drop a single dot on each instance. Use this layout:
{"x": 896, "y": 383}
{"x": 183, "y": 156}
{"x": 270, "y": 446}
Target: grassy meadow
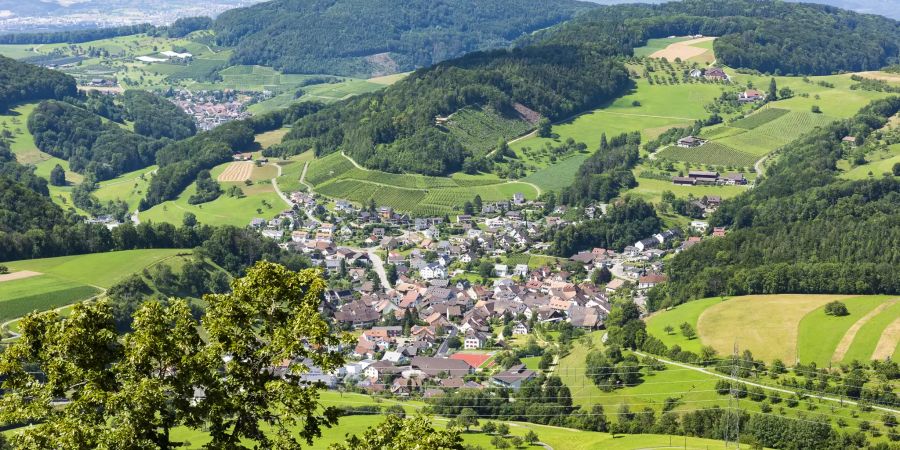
{"x": 97, "y": 269}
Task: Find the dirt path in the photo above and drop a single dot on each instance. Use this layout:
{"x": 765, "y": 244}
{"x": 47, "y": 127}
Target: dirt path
{"x": 20, "y": 275}
{"x": 848, "y": 337}
{"x": 278, "y": 189}
{"x": 888, "y": 342}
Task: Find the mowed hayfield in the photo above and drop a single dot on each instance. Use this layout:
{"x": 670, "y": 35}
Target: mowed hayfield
{"x": 799, "y": 331}
{"x": 337, "y": 177}
{"x": 699, "y": 49}
{"x": 57, "y": 282}
{"x": 259, "y": 200}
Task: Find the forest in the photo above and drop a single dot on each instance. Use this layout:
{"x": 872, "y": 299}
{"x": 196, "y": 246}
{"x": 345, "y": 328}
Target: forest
{"x": 625, "y": 223}
{"x": 361, "y": 38}
{"x": 156, "y": 117}
{"x": 802, "y": 229}
{"x": 606, "y": 172}
{"x": 93, "y": 147}
{"x": 393, "y": 129}
{"x": 22, "y": 82}
{"x": 768, "y": 36}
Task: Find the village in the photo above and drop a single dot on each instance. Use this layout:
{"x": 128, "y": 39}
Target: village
{"x": 440, "y": 303}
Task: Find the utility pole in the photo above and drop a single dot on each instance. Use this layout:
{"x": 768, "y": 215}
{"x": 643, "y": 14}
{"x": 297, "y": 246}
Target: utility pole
{"x": 732, "y": 428}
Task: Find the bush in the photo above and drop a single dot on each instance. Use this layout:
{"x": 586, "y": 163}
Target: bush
{"x": 836, "y": 309}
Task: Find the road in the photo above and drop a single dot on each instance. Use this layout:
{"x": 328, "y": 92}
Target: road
{"x": 763, "y": 386}
{"x": 278, "y": 189}
{"x": 377, "y": 264}
{"x": 445, "y": 347}
{"x": 758, "y": 166}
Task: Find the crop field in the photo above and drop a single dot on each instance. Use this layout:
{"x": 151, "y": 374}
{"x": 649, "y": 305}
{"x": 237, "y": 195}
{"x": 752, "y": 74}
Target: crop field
{"x": 97, "y": 269}
{"x": 237, "y": 171}
{"x": 802, "y": 330}
{"x": 760, "y": 118}
{"x": 655, "y": 45}
{"x": 270, "y": 138}
{"x": 478, "y": 130}
{"x": 685, "y": 49}
{"x": 327, "y": 168}
{"x": 711, "y": 153}
{"x": 776, "y": 133}
{"x": 40, "y": 293}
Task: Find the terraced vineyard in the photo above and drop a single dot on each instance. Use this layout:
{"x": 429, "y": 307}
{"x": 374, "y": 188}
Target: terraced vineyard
{"x": 335, "y": 176}
{"x": 711, "y": 153}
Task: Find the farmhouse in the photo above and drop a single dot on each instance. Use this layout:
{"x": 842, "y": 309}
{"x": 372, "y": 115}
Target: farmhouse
{"x": 716, "y": 74}
{"x": 690, "y": 142}
{"x": 750, "y": 96}
{"x": 734, "y": 178}
{"x": 684, "y": 181}
{"x": 703, "y": 177}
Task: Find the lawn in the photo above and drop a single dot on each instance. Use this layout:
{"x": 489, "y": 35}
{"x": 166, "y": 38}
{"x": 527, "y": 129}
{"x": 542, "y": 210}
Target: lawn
{"x": 40, "y": 293}
{"x": 878, "y": 163}
{"x": 821, "y": 334}
{"x": 97, "y": 269}
{"x": 129, "y": 187}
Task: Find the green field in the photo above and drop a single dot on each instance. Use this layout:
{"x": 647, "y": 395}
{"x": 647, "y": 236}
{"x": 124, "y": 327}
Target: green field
{"x": 261, "y": 200}
{"x": 655, "y": 45}
{"x": 97, "y": 269}
{"x": 803, "y": 331}
{"x": 291, "y": 170}
{"x": 559, "y": 175}
{"x": 40, "y": 293}
{"x": 129, "y": 187}
{"x": 711, "y": 153}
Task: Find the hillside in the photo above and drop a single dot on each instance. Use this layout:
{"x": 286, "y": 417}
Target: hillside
{"x": 363, "y": 37}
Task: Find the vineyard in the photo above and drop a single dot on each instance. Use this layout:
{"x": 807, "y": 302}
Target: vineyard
{"x": 479, "y": 130}
{"x": 559, "y": 175}
{"x": 711, "y": 153}
{"x": 761, "y": 118}
{"x": 776, "y": 133}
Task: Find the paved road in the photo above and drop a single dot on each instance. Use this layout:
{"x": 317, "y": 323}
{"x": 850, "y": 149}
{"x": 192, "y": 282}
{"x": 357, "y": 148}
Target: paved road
{"x": 377, "y": 263}
{"x": 750, "y": 383}
{"x": 445, "y": 347}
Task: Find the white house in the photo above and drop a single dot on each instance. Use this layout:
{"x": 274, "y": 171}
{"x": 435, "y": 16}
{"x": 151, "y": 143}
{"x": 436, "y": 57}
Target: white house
{"x": 474, "y": 340}
{"x": 432, "y": 271}
{"x": 501, "y": 270}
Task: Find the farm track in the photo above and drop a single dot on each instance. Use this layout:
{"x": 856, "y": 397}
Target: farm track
{"x": 888, "y": 342}
{"x": 278, "y": 189}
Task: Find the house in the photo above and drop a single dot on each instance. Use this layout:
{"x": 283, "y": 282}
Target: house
{"x": 751, "y": 95}
{"x": 696, "y": 73}
{"x": 699, "y": 226}
{"x": 501, "y": 270}
{"x": 718, "y": 232}
{"x": 614, "y": 285}
{"x": 849, "y": 140}
{"x": 521, "y": 270}
{"x": 650, "y": 280}
{"x": 520, "y": 329}
{"x": 381, "y": 369}
{"x": 433, "y": 366}
{"x": 432, "y": 271}
{"x": 518, "y": 198}
{"x": 716, "y": 74}
{"x": 474, "y": 340}
{"x": 514, "y": 377}
{"x": 735, "y": 178}
{"x": 646, "y": 244}
{"x": 690, "y": 142}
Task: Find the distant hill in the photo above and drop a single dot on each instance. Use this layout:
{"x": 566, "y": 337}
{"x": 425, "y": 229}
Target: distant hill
{"x": 886, "y": 8}
{"x": 368, "y": 37}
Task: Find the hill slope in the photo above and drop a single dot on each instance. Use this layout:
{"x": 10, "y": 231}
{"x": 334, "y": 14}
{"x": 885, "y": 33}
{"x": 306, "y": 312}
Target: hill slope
{"x": 353, "y": 37}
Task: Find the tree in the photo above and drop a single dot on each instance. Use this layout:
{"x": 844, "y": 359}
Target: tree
{"x": 531, "y": 437}
{"x": 516, "y": 441}
{"x": 896, "y": 169}
{"x": 668, "y": 329}
{"x": 58, "y": 176}
{"x": 546, "y": 361}
{"x": 544, "y": 129}
{"x": 467, "y": 418}
{"x": 276, "y": 306}
{"x": 4, "y": 270}
{"x": 816, "y": 109}
{"x": 486, "y": 269}
{"x": 489, "y": 427}
{"x": 601, "y": 276}
{"x": 502, "y": 429}
{"x": 688, "y": 331}
{"x": 773, "y": 91}
{"x": 396, "y": 433}
{"x": 190, "y": 219}
{"x": 499, "y": 442}
{"x": 837, "y": 309}
{"x": 477, "y": 203}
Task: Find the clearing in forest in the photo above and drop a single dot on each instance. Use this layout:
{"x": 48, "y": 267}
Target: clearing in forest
{"x": 684, "y": 49}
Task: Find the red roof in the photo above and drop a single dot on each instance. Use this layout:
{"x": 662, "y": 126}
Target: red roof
{"x": 473, "y": 359}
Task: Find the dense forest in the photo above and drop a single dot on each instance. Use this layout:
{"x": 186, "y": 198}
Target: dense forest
{"x": 101, "y": 149}
{"x": 180, "y": 162}
{"x": 12, "y": 170}
{"x": 627, "y": 221}
{"x": 363, "y": 37}
{"x": 606, "y": 172}
{"x": 156, "y": 117}
{"x": 801, "y": 229}
{"x": 21, "y": 82}
{"x": 393, "y": 129}
{"x": 769, "y": 36}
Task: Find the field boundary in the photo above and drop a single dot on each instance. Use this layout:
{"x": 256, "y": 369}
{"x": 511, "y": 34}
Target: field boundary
{"x": 847, "y": 340}
{"x": 887, "y": 344}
